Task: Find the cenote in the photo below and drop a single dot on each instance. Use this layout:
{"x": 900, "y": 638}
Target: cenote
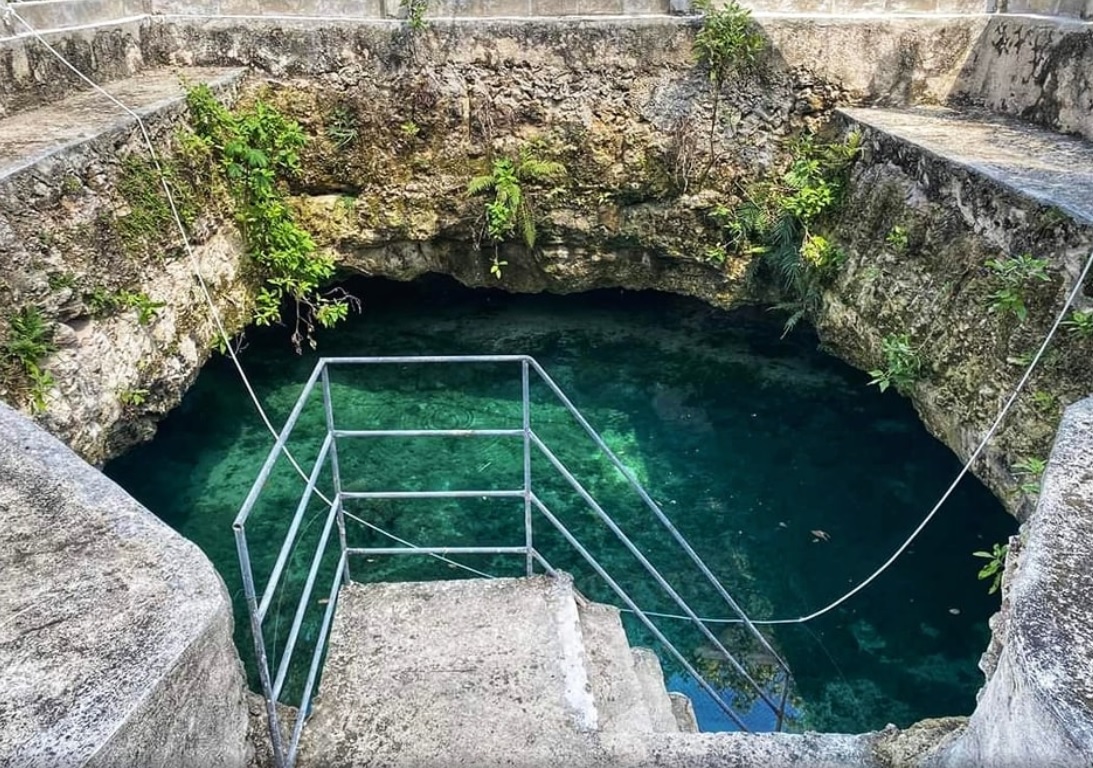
{"x": 790, "y": 476}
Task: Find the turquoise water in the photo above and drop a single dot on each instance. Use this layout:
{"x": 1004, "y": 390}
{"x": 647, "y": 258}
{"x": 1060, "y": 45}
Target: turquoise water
{"x": 791, "y": 478}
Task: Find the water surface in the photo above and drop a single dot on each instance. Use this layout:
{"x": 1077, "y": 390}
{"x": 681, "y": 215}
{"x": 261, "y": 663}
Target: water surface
{"x": 789, "y": 475}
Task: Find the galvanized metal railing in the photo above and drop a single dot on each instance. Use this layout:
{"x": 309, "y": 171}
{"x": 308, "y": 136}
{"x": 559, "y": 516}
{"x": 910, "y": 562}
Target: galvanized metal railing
{"x": 273, "y": 678}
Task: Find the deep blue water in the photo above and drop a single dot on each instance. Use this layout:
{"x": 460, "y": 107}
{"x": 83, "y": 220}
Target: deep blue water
{"x": 790, "y": 476}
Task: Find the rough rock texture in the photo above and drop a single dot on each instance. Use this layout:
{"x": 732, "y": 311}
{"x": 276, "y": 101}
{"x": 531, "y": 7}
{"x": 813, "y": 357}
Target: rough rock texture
{"x": 1037, "y": 706}
{"x": 116, "y": 633}
{"x": 83, "y": 219}
{"x": 957, "y": 213}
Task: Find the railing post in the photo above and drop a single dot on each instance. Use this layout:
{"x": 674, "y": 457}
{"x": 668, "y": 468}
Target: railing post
{"x": 328, "y": 407}
{"x": 526, "y": 390}
{"x": 259, "y": 645}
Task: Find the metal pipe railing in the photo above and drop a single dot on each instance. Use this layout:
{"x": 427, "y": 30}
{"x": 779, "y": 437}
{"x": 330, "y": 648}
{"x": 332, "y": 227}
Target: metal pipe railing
{"x": 285, "y": 755}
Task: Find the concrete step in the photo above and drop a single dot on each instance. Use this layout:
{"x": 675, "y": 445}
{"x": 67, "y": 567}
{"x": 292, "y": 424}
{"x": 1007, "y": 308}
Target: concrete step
{"x": 683, "y": 711}
{"x": 651, "y": 678}
{"x": 473, "y": 673}
{"x": 616, "y": 688}
{"x": 1034, "y": 163}
{"x": 32, "y": 139}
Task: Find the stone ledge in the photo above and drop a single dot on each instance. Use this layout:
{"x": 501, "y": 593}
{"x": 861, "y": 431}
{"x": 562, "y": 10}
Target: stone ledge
{"x": 116, "y": 639}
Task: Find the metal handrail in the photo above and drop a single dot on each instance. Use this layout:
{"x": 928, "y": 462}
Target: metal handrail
{"x": 273, "y": 687}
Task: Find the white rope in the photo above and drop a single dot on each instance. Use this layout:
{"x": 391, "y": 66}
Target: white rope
{"x": 10, "y": 11}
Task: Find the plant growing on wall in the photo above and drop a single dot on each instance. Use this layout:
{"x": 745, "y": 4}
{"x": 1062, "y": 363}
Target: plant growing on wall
{"x": 510, "y": 209}
{"x": 994, "y": 569}
{"x": 1080, "y": 323}
{"x": 1030, "y": 470}
{"x": 29, "y": 341}
{"x": 1013, "y": 276}
{"x": 902, "y": 365}
{"x": 727, "y": 43}
{"x": 257, "y": 150}
{"x": 781, "y": 219}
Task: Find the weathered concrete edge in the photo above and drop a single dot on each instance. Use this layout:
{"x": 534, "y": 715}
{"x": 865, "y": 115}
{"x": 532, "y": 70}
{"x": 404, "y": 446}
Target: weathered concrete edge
{"x": 167, "y": 108}
{"x": 1042, "y": 676}
{"x": 182, "y": 702}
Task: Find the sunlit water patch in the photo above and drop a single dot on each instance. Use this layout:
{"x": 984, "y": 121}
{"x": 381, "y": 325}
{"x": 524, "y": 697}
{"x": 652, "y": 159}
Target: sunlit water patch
{"x": 791, "y": 477}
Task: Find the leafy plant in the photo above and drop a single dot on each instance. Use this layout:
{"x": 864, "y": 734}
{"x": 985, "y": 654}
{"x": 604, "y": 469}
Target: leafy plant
{"x": 1044, "y": 402}
{"x": 994, "y": 569}
{"x": 717, "y": 254}
{"x": 1031, "y": 469}
{"x": 409, "y": 129}
{"x": 258, "y": 150}
{"x": 780, "y": 219}
{"x": 147, "y": 310}
{"x": 510, "y": 208}
{"x": 414, "y": 11}
{"x": 902, "y": 365}
{"x": 1013, "y": 274}
{"x": 726, "y": 43}
{"x": 133, "y": 398}
{"x": 898, "y": 238}
{"x": 341, "y": 127}
{"x": 1080, "y": 323}
{"x": 30, "y": 341}
{"x": 820, "y": 253}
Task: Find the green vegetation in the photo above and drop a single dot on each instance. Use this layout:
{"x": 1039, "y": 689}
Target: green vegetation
{"x": 414, "y": 11}
{"x": 1030, "y": 470}
{"x": 341, "y": 127}
{"x": 727, "y": 43}
{"x": 149, "y": 221}
{"x": 1013, "y": 274}
{"x": 133, "y": 398}
{"x": 1080, "y": 323}
{"x": 510, "y": 209}
{"x": 102, "y": 302}
{"x": 257, "y": 150}
{"x": 1044, "y": 402}
{"x": 780, "y": 220}
{"x": 31, "y": 340}
{"x": 897, "y": 238}
{"x": 902, "y": 366}
{"x": 994, "y": 568}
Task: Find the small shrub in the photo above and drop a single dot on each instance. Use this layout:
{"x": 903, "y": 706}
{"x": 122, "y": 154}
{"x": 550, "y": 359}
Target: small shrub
{"x": 1080, "y": 323}
{"x": 897, "y": 238}
{"x": 1014, "y": 274}
{"x": 341, "y": 127}
{"x": 257, "y": 150}
{"x": 1044, "y": 402}
{"x": 1031, "y": 470}
{"x": 147, "y": 310}
{"x": 30, "y": 341}
{"x": 415, "y": 11}
{"x": 820, "y": 253}
{"x": 902, "y": 365}
{"x": 133, "y": 398}
{"x": 994, "y": 568}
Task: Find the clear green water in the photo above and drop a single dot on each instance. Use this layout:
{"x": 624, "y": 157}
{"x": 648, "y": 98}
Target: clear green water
{"x": 751, "y": 444}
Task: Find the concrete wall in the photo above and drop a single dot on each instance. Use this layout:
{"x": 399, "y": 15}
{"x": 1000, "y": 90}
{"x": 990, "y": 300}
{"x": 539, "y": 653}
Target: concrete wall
{"x": 115, "y": 632}
{"x": 1037, "y": 706}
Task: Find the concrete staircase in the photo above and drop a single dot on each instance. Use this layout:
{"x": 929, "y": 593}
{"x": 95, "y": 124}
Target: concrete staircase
{"x": 483, "y": 673}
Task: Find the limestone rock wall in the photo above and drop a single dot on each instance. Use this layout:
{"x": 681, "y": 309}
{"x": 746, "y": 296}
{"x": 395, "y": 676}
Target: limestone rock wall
{"x": 116, "y": 645}
{"x": 80, "y": 227}
{"x": 936, "y": 289}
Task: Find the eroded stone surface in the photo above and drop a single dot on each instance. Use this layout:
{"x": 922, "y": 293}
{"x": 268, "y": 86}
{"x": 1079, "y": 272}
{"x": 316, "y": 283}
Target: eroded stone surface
{"x": 115, "y": 633}
{"x": 1037, "y": 706}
